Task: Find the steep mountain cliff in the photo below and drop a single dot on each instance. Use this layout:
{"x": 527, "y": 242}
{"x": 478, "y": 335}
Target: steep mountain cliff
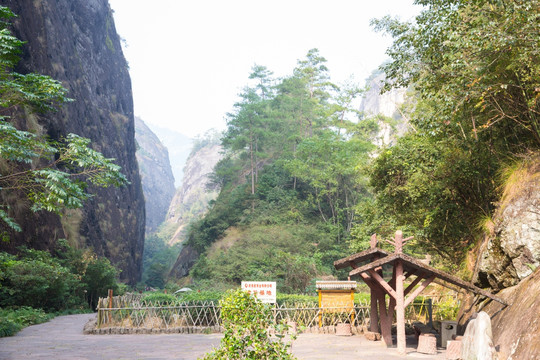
{"x": 179, "y": 146}
{"x": 191, "y": 199}
{"x": 156, "y": 175}
{"x": 75, "y": 41}
{"x": 191, "y": 202}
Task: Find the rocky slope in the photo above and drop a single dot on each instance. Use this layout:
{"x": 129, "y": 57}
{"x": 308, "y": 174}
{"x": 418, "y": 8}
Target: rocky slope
{"x": 75, "y": 41}
{"x": 509, "y": 263}
{"x": 191, "y": 199}
{"x": 156, "y": 175}
{"x": 190, "y": 202}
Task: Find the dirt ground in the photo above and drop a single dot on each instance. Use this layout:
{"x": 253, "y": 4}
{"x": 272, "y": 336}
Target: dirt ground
{"x": 62, "y": 339}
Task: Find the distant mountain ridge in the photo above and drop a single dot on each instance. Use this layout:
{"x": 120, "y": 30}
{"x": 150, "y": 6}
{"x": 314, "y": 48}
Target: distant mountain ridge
{"x": 179, "y": 147}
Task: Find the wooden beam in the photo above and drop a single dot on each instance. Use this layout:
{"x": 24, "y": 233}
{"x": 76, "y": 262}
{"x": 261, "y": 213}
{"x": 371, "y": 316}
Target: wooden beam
{"x": 382, "y": 283}
{"x": 417, "y": 292}
{"x": 369, "y": 281}
{"x": 410, "y": 273}
{"x": 373, "y": 264}
{"x": 414, "y": 283}
{"x": 366, "y": 255}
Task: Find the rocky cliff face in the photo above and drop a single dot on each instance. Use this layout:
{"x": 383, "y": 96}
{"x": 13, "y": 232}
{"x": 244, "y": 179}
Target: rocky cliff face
{"x": 374, "y": 103}
{"x": 509, "y": 264}
{"x": 191, "y": 199}
{"x": 190, "y": 202}
{"x": 179, "y": 146}
{"x": 512, "y": 251}
{"x": 75, "y": 41}
{"x": 156, "y": 175}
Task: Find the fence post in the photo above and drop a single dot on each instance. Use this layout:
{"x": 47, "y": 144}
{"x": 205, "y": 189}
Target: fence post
{"x": 99, "y": 313}
{"x": 110, "y": 305}
{"x": 430, "y": 312}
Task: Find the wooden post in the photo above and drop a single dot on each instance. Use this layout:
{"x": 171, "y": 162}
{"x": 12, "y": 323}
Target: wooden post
{"x": 110, "y": 306}
{"x": 386, "y": 319}
{"x": 374, "y": 311}
{"x": 400, "y": 308}
{"x": 352, "y": 310}
{"x": 373, "y": 315}
{"x": 320, "y": 309}
{"x": 99, "y": 313}
{"x": 398, "y": 241}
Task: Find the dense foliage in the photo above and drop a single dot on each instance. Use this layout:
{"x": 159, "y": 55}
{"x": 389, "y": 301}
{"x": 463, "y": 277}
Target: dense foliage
{"x": 71, "y": 279}
{"x": 302, "y": 181}
{"x": 289, "y": 180}
{"x": 13, "y": 320}
{"x": 474, "y": 68}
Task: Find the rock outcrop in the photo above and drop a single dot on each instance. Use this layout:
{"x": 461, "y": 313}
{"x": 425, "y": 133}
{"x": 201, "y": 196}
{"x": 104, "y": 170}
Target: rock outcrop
{"x": 388, "y": 105}
{"x": 156, "y": 175}
{"x": 512, "y": 251}
{"x": 75, "y": 42}
{"x": 508, "y": 263}
{"x": 179, "y": 146}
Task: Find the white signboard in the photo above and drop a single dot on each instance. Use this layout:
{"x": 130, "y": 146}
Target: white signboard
{"x": 264, "y": 290}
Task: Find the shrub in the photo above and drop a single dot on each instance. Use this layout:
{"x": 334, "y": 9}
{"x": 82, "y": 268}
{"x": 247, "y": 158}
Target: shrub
{"x": 13, "y": 320}
{"x": 158, "y": 298}
{"x": 37, "y": 280}
{"x": 203, "y": 295}
{"x": 246, "y": 321}
{"x": 8, "y": 327}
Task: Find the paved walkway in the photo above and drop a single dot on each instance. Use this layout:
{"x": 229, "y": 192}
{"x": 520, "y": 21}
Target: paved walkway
{"x": 62, "y": 339}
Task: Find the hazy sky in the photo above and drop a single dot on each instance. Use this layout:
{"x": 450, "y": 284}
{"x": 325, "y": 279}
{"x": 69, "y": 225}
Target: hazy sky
{"x": 189, "y": 59}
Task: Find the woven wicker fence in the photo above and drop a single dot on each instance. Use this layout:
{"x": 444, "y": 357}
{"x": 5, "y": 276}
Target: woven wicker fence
{"x": 130, "y": 312}
{"x": 127, "y": 312}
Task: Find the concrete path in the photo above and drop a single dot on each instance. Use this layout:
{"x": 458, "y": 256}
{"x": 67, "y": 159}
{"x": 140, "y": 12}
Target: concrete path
{"x": 62, "y": 339}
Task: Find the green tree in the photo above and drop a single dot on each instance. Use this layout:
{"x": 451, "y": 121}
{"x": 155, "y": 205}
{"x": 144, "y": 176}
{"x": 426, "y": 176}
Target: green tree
{"x": 474, "y": 67}
{"x": 328, "y": 163}
{"x": 478, "y": 63}
{"x": 248, "y": 127}
{"x": 98, "y": 278}
{"x": 38, "y": 280}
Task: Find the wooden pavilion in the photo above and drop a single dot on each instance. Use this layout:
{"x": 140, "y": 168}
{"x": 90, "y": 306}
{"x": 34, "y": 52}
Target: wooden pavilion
{"x": 403, "y": 267}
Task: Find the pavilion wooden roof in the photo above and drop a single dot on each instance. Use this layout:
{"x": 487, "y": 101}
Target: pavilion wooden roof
{"x": 410, "y": 265}
{"x": 366, "y": 255}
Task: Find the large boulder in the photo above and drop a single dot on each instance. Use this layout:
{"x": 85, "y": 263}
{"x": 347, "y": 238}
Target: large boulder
{"x": 477, "y": 342}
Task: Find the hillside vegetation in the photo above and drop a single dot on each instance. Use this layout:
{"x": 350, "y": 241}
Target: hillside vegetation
{"x": 302, "y": 183}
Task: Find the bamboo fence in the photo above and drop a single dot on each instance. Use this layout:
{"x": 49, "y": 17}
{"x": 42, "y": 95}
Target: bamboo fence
{"x": 129, "y": 311}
